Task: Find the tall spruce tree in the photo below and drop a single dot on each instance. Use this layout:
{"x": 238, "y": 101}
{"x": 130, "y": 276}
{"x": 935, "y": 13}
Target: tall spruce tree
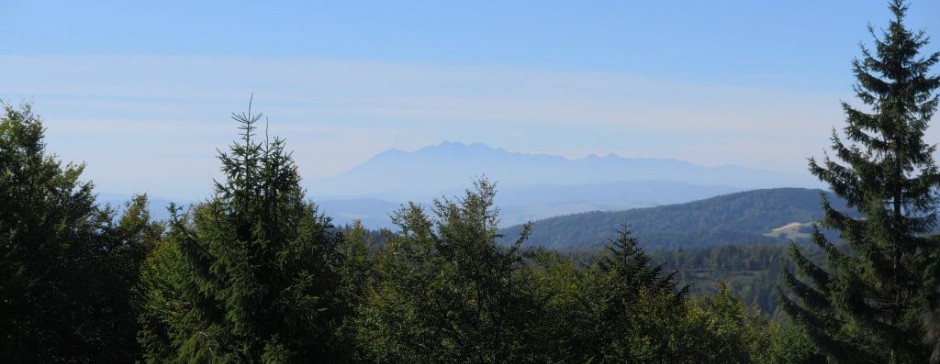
{"x": 250, "y": 275}
{"x": 865, "y": 303}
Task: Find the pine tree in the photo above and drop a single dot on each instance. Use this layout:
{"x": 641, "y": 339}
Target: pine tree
{"x": 864, "y": 304}
{"x": 249, "y": 275}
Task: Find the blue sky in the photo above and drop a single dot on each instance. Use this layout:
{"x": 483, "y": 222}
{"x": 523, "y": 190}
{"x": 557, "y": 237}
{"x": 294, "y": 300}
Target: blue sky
{"x": 142, "y": 91}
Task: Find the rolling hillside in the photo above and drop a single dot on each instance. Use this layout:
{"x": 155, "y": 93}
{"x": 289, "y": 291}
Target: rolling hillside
{"x": 743, "y": 217}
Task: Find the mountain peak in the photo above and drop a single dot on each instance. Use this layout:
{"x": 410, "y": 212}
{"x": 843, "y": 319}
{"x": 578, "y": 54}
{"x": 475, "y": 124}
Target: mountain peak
{"x": 452, "y": 149}
{"x": 455, "y": 145}
{"x": 452, "y": 165}
{"x": 609, "y": 156}
{"x": 448, "y": 144}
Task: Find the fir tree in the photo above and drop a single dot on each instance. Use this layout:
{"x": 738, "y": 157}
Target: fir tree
{"x": 638, "y": 307}
{"x": 249, "y": 276}
{"x": 864, "y": 305}
{"x": 631, "y": 270}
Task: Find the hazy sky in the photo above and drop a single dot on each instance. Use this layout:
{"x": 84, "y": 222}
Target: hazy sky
{"x": 143, "y": 91}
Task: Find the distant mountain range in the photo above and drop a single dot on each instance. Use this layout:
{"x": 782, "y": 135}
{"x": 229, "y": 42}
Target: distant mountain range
{"x": 530, "y": 186}
{"x": 758, "y": 216}
{"x": 449, "y": 167}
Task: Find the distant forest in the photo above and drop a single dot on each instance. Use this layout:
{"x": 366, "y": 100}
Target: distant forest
{"x": 257, "y": 274}
{"x": 739, "y": 218}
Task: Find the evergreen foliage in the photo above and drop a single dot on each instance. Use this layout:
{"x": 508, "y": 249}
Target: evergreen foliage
{"x": 751, "y": 272}
{"x": 722, "y": 329}
{"x": 640, "y": 315}
{"x": 865, "y": 304}
{"x": 355, "y": 271}
{"x": 622, "y": 308}
{"x": 250, "y": 275}
{"x": 446, "y": 292}
{"x": 68, "y": 270}
{"x": 628, "y": 284}
{"x": 567, "y": 322}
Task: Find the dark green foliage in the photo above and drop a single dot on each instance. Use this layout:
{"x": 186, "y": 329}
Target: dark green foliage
{"x": 631, "y": 269}
{"x": 567, "y": 322}
{"x": 163, "y": 304}
{"x": 791, "y": 344}
{"x": 130, "y": 240}
{"x": 355, "y": 271}
{"x": 931, "y": 316}
{"x": 68, "y": 271}
{"x": 738, "y": 218}
{"x": 722, "y": 329}
{"x": 750, "y": 272}
{"x": 250, "y": 275}
{"x": 446, "y": 292}
{"x": 865, "y": 304}
{"x": 623, "y": 308}
{"x": 639, "y": 307}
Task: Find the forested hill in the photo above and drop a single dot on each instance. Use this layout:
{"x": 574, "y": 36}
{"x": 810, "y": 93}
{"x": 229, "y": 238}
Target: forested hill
{"x": 737, "y": 218}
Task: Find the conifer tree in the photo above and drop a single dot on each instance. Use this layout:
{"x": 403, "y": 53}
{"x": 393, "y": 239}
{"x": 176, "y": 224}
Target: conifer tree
{"x": 567, "y": 330}
{"x": 68, "y": 269}
{"x": 631, "y": 270}
{"x": 446, "y": 292}
{"x": 639, "y": 307}
{"x": 355, "y": 272}
{"x": 250, "y": 275}
{"x": 864, "y": 304}
{"x": 47, "y": 218}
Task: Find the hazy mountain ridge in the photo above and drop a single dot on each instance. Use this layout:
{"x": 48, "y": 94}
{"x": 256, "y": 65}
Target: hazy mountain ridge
{"x": 530, "y": 186}
{"x": 430, "y": 171}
